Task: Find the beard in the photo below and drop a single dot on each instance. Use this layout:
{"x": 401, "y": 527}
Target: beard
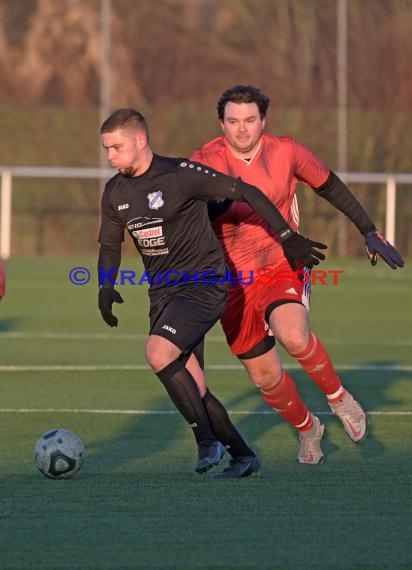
{"x": 129, "y": 171}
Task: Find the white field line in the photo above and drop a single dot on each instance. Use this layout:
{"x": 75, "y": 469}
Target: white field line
{"x": 142, "y": 337}
{"x": 227, "y": 367}
{"x": 168, "y": 412}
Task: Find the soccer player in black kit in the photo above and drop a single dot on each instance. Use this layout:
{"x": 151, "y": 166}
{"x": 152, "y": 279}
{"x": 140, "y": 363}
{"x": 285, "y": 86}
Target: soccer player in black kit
{"x": 162, "y": 202}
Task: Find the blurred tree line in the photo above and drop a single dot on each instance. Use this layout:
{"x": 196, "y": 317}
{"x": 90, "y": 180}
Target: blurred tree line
{"x": 171, "y": 59}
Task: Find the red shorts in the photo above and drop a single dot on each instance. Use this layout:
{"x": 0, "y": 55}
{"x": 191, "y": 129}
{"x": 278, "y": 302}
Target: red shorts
{"x": 243, "y": 320}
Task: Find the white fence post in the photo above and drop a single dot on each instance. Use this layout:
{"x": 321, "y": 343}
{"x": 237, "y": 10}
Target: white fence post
{"x": 5, "y": 214}
{"x": 390, "y": 209}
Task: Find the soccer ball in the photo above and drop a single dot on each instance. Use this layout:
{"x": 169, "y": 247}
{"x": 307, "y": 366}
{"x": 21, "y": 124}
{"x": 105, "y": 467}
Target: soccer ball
{"x": 59, "y": 454}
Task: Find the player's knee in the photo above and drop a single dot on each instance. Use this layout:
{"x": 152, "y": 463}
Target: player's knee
{"x": 294, "y": 341}
{"x": 160, "y": 352}
{"x": 156, "y": 362}
{"x": 266, "y": 379}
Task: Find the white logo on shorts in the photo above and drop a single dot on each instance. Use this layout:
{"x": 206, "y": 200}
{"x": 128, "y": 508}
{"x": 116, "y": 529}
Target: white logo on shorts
{"x": 291, "y": 291}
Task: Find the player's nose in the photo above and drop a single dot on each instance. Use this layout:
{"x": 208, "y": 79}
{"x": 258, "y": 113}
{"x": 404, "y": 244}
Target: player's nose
{"x": 111, "y": 152}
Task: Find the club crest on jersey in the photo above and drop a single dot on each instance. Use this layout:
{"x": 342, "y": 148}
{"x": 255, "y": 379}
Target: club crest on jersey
{"x": 155, "y": 200}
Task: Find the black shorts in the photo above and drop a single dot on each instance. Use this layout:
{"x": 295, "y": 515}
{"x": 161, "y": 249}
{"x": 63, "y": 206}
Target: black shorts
{"x": 185, "y": 316}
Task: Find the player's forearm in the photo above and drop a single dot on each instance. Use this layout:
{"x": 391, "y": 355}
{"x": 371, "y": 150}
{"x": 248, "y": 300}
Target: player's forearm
{"x": 108, "y": 265}
{"x": 339, "y": 195}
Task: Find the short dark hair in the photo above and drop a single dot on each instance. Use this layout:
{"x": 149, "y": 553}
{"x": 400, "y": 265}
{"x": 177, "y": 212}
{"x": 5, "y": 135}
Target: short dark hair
{"x": 243, "y": 94}
{"x": 125, "y": 119}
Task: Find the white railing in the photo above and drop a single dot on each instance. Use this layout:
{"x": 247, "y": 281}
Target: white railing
{"x": 390, "y": 180}
{"x": 7, "y": 173}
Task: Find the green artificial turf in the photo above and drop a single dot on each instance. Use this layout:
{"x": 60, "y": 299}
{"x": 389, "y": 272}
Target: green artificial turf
{"x": 137, "y": 502}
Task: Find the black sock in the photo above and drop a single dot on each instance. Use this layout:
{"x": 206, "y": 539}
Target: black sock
{"x": 184, "y": 393}
{"x": 225, "y": 431}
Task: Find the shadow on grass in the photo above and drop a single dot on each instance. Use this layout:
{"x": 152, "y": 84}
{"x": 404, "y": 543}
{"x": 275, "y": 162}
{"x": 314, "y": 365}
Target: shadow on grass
{"x": 143, "y": 442}
{"x": 372, "y": 387}
{"x": 9, "y": 324}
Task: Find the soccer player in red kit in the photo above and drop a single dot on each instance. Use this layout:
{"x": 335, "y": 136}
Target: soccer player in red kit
{"x": 275, "y": 305}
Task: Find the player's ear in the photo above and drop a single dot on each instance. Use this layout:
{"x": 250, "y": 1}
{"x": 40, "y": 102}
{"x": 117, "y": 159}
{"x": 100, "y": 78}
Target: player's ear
{"x": 141, "y": 140}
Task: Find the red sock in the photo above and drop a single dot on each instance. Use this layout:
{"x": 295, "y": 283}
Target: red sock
{"x": 285, "y": 399}
{"x": 316, "y": 362}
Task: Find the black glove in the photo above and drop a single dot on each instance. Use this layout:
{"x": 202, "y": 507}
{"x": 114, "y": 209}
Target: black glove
{"x": 108, "y": 296}
{"x": 298, "y": 248}
{"x": 375, "y": 243}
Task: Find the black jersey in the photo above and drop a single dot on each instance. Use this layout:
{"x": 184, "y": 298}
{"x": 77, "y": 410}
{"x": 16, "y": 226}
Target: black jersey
{"x": 165, "y": 212}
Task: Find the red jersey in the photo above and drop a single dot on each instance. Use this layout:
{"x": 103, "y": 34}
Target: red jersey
{"x": 278, "y": 164}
